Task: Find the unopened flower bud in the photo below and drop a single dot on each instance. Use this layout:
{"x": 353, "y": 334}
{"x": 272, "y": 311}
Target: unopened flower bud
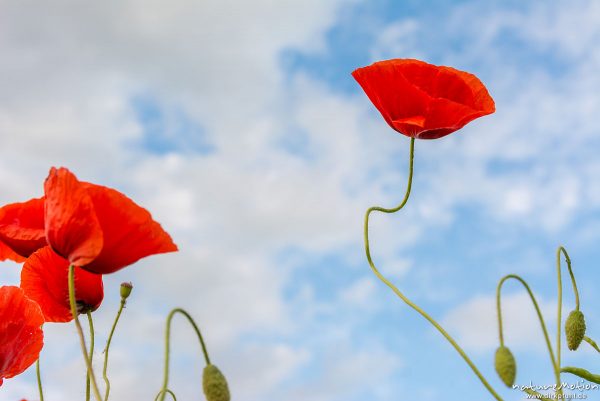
{"x": 575, "y": 329}
{"x": 506, "y": 366}
{"x": 126, "y": 290}
{"x": 214, "y": 384}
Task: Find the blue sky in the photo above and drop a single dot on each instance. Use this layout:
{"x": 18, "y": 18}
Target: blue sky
{"x": 238, "y": 125}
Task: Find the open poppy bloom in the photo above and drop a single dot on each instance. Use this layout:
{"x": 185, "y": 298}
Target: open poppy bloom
{"x": 21, "y": 229}
{"x": 96, "y": 227}
{"x": 422, "y": 100}
{"x": 44, "y": 279}
{"x": 21, "y": 336}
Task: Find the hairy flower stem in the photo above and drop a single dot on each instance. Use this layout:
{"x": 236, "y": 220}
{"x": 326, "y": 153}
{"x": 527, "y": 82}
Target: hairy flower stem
{"x": 39, "y": 379}
{"x": 400, "y": 294}
{"x": 84, "y": 350}
{"x": 163, "y": 390}
{"x": 562, "y": 250}
{"x": 91, "y": 355}
{"x": 555, "y": 365}
{"x": 110, "y": 336}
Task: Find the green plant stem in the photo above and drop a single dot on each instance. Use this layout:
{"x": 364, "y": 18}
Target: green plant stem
{"x": 555, "y": 366}
{"x": 39, "y": 379}
{"x": 584, "y": 374}
{"x": 400, "y": 294}
{"x": 84, "y": 351}
{"x": 562, "y": 250}
{"x": 591, "y": 342}
{"x": 112, "y": 332}
{"x": 166, "y": 391}
{"x": 163, "y": 390}
{"x": 91, "y": 355}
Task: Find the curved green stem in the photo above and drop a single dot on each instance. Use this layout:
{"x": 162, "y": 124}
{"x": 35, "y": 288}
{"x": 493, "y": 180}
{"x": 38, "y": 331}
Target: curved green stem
{"x": 39, "y": 379}
{"x": 112, "y": 332}
{"x": 555, "y": 366}
{"x": 163, "y": 390}
{"x": 166, "y": 391}
{"x": 562, "y": 250}
{"x": 400, "y": 294}
{"x": 584, "y": 374}
{"x": 84, "y": 351}
{"x": 91, "y": 355}
{"x": 591, "y": 342}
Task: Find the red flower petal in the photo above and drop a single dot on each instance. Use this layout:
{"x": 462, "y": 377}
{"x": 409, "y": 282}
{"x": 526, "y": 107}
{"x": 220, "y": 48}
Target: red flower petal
{"x": 44, "y": 279}
{"x": 72, "y": 228}
{"x": 7, "y": 253}
{"x": 421, "y": 100}
{"x": 21, "y": 336}
{"x": 130, "y": 233}
{"x": 22, "y": 227}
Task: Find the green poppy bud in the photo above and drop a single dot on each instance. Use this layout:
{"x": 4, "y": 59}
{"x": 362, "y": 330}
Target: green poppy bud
{"x": 214, "y": 384}
{"x": 126, "y": 290}
{"x": 506, "y": 366}
{"x": 575, "y": 329}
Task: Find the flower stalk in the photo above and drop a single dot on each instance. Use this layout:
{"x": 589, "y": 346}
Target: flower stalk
{"x": 164, "y": 390}
{"x": 84, "y": 350}
{"x": 400, "y": 294}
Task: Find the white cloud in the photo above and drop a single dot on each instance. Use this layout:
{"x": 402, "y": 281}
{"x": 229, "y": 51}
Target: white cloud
{"x": 476, "y": 324}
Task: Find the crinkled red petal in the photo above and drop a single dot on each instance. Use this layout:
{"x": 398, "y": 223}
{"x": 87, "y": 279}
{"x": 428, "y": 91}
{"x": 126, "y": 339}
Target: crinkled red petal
{"x": 72, "y": 228}
{"x": 22, "y": 227}
{"x": 130, "y": 233}
{"x": 44, "y": 279}
{"x": 21, "y": 336}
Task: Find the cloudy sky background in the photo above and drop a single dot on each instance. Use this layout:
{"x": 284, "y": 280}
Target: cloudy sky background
{"x": 238, "y": 125}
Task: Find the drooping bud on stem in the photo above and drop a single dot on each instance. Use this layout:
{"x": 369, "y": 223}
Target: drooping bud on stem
{"x": 575, "y": 329}
{"x": 126, "y": 290}
{"x": 506, "y": 366}
{"x": 214, "y": 384}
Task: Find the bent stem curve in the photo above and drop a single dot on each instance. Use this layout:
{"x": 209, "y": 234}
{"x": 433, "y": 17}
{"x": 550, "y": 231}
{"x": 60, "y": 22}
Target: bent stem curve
{"x": 400, "y": 294}
{"x": 555, "y": 365}
{"x": 164, "y": 389}
{"x": 84, "y": 350}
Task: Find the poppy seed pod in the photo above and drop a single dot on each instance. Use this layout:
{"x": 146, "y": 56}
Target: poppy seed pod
{"x": 506, "y": 366}
{"x": 575, "y": 329}
{"x": 126, "y": 290}
{"x": 214, "y": 384}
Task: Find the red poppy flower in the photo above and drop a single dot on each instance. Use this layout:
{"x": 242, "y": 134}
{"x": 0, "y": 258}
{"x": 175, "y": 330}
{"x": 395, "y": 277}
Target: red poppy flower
{"x": 422, "y": 100}
{"x": 98, "y": 228}
{"x": 21, "y": 336}
{"x": 44, "y": 278}
{"x": 22, "y": 228}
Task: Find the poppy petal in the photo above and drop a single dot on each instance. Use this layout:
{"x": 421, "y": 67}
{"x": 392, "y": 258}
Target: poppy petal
{"x": 21, "y": 336}
{"x": 22, "y": 227}
{"x": 44, "y": 279}
{"x": 72, "y": 228}
{"x": 130, "y": 233}
{"x": 7, "y": 253}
